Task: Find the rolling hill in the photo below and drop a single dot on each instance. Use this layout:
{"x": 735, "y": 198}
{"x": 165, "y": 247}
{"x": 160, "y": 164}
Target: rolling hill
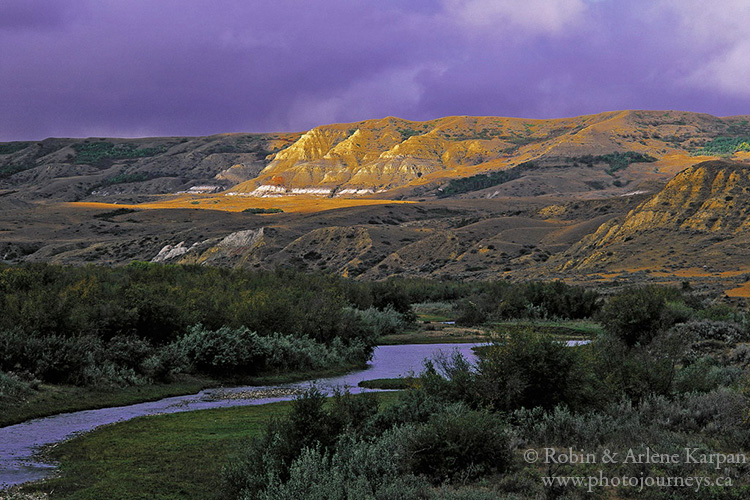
{"x": 619, "y": 196}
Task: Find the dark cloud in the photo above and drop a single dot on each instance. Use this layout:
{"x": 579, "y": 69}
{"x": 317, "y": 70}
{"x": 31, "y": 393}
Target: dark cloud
{"x": 193, "y": 67}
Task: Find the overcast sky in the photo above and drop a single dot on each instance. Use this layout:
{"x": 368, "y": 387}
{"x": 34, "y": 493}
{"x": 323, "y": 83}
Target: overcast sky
{"x": 78, "y": 68}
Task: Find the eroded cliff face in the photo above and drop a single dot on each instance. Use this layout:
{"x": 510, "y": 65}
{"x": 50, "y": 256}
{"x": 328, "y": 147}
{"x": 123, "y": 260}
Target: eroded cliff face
{"x": 378, "y": 155}
{"x": 707, "y": 200}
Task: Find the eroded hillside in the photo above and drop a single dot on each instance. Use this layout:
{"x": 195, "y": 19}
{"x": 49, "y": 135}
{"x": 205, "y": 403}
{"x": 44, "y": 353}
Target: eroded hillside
{"x": 596, "y": 155}
{"x": 700, "y": 219}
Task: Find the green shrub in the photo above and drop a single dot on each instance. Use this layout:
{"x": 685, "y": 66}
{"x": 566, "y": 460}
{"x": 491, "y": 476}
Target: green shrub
{"x": 561, "y": 427}
{"x": 379, "y": 322}
{"x": 639, "y": 371}
{"x": 469, "y": 313}
{"x": 481, "y": 181}
{"x": 637, "y": 314}
{"x": 13, "y": 388}
{"x": 357, "y": 470}
{"x": 450, "y": 377}
{"x": 526, "y": 370}
{"x": 705, "y": 375}
{"x": 616, "y": 161}
{"x": 724, "y": 146}
{"x": 266, "y": 460}
{"x": 724, "y": 331}
{"x": 224, "y": 351}
{"x": 458, "y": 445}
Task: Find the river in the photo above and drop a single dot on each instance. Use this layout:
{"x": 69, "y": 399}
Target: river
{"x": 20, "y": 443}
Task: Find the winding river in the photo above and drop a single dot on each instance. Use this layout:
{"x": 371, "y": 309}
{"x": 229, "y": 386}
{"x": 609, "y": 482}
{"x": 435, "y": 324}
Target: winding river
{"x": 20, "y": 443}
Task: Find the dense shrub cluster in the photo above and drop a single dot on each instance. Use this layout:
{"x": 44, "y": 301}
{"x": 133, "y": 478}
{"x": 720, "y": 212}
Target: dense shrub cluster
{"x": 725, "y": 146}
{"x": 723, "y": 331}
{"x": 93, "y": 152}
{"x": 350, "y": 451}
{"x": 535, "y": 300}
{"x": 616, "y": 161}
{"x": 226, "y": 352}
{"x": 158, "y": 302}
{"x": 142, "y": 323}
{"x": 637, "y": 314}
{"x": 136, "y": 324}
{"x": 649, "y": 382}
{"x": 87, "y": 360}
{"x": 480, "y": 181}
{"x": 7, "y": 148}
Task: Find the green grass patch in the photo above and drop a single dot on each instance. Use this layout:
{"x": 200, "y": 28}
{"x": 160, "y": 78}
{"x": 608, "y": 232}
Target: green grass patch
{"x": 399, "y": 383}
{"x": 570, "y": 330}
{"x": 434, "y": 318}
{"x": 435, "y": 337}
{"x": 177, "y": 456}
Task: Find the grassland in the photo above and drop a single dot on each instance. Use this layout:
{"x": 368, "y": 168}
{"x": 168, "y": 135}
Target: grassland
{"x": 741, "y": 291}
{"x": 569, "y": 330}
{"x": 177, "y": 456}
{"x": 289, "y": 204}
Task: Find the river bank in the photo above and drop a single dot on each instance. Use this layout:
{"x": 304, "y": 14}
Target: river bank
{"x": 52, "y": 400}
{"x": 19, "y": 444}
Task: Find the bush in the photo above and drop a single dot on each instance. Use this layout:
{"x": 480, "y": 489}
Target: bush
{"x": 84, "y": 360}
{"x": 562, "y": 427}
{"x": 636, "y": 315}
{"x": 527, "y": 370}
{"x": 13, "y": 388}
{"x": 267, "y": 460}
{"x": 357, "y": 470}
{"x": 223, "y": 351}
{"x": 458, "y": 445}
{"x": 724, "y": 331}
{"x": 740, "y": 356}
{"x": 469, "y": 313}
{"x": 377, "y": 323}
{"x": 450, "y": 378}
{"x": 640, "y": 371}
{"x": 705, "y": 375}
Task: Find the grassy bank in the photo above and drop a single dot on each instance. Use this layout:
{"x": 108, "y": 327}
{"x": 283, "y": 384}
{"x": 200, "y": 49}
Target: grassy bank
{"x": 390, "y": 383}
{"x": 439, "y": 333}
{"x": 55, "y": 399}
{"x": 569, "y": 330}
{"x": 177, "y": 456}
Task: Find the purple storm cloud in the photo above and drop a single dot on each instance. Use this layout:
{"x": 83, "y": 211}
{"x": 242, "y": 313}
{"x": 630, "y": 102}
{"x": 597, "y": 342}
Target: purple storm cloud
{"x": 73, "y": 68}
